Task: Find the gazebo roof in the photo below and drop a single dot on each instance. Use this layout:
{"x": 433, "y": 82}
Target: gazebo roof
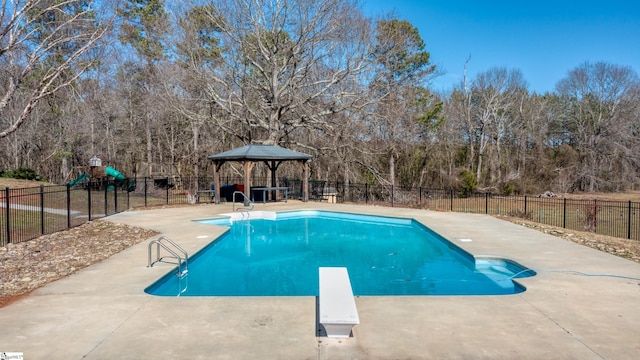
{"x": 256, "y": 152}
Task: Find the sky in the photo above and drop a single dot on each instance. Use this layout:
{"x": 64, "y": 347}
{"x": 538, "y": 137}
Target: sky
{"x": 543, "y": 39}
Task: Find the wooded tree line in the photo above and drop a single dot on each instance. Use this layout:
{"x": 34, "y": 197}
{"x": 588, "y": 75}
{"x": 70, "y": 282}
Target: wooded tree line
{"x": 164, "y": 84}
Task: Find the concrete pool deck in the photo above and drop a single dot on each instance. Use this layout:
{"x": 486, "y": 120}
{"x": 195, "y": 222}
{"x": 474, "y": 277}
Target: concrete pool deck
{"x": 101, "y": 312}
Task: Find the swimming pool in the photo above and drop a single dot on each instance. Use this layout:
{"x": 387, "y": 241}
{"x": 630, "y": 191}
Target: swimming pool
{"x": 279, "y": 254}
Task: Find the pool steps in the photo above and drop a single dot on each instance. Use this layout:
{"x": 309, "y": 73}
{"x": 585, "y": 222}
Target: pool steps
{"x": 247, "y": 215}
{"x": 497, "y": 268}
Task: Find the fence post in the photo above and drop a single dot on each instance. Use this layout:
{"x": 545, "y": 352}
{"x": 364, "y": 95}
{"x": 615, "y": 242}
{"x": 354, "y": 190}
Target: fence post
{"x": 451, "y": 198}
{"x": 525, "y": 206}
{"x": 167, "y": 188}
{"x": 595, "y": 215}
{"x": 564, "y": 213}
{"x": 68, "y": 206}
{"x": 486, "y": 203}
{"x": 106, "y": 189}
{"x": 629, "y": 222}
{"x": 366, "y": 194}
{"x": 128, "y": 193}
{"x": 115, "y": 197}
{"x": 7, "y": 208}
{"x": 41, "y": 209}
{"x": 89, "y": 200}
{"x": 420, "y": 197}
{"x": 145, "y": 191}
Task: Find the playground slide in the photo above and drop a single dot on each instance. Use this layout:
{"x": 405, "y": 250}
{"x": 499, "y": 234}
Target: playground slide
{"x": 119, "y": 179}
{"x": 78, "y": 180}
{"x": 109, "y": 171}
{"x": 114, "y": 173}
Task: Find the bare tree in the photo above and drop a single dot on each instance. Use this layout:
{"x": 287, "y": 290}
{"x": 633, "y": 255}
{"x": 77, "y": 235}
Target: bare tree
{"x": 496, "y": 93}
{"x": 48, "y": 43}
{"x": 459, "y": 112}
{"x": 600, "y": 105}
{"x": 287, "y": 64}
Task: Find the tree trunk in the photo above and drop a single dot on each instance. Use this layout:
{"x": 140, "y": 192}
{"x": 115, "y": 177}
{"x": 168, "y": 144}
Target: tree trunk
{"x": 392, "y": 170}
{"x": 64, "y": 168}
{"x": 478, "y": 170}
{"x": 147, "y": 130}
{"x": 196, "y": 169}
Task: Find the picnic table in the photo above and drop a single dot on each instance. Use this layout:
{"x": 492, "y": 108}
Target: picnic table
{"x": 210, "y": 193}
{"x": 265, "y": 189}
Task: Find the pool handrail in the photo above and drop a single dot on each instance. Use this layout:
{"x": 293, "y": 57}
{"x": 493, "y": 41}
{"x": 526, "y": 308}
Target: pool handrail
{"x": 246, "y": 201}
{"x": 181, "y": 272}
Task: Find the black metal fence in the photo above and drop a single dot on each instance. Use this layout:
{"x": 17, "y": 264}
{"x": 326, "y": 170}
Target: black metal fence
{"x": 612, "y": 218}
{"x": 27, "y": 213}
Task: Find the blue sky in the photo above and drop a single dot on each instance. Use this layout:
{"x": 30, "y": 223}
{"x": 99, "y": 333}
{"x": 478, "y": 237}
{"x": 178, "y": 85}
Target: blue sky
{"x": 544, "y": 39}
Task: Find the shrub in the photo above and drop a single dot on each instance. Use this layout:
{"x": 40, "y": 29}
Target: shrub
{"x": 508, "y": 189}
{"x": 468, "y": 182}
{"x": 21, "y": 173}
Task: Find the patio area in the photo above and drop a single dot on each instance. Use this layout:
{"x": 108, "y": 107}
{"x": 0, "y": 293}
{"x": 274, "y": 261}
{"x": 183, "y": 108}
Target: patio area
{"x": 582, "y": 304}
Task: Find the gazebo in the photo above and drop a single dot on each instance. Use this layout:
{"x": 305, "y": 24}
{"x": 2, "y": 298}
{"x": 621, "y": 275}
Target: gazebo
{"x": 249, "y": 155}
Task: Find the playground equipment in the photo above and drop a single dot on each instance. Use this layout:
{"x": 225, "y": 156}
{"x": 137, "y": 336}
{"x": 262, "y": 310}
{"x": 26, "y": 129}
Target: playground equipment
{"x": 78, "y": 180}
{"x": 98, "y": 174}
{"x": 114, "y": 173}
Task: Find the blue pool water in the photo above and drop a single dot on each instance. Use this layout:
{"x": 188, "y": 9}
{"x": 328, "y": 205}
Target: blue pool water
{"x": 383, "y": 255}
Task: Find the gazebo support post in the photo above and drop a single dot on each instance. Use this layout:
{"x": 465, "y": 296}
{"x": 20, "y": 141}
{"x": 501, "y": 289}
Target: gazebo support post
{"x": 273, "y": 167}
{"x": 305, "y": 180}
{"x": 248, "y": 166}
{"x": 216, "y": 179}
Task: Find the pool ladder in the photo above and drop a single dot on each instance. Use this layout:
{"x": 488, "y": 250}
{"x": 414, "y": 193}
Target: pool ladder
{"x": 176, "y": 252}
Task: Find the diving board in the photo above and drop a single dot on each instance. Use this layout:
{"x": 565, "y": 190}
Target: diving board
{"x": 337, "y": 306}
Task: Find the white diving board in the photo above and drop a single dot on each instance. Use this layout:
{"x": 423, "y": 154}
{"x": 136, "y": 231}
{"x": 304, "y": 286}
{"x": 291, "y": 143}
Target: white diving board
{"x": 337, "y": 306}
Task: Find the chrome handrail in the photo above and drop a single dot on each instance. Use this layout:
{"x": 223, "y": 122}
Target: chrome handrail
{"x": 158, "y": 242}
{"x": 246, "y": 202}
